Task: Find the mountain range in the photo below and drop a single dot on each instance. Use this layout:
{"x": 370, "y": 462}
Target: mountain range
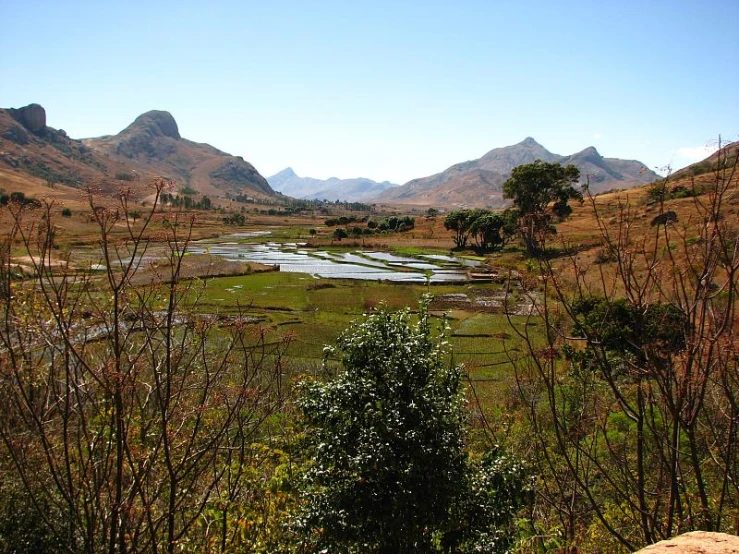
{"x": 349, "y": 190}
{"x": 149, "y": 147}
{"x": 480, "y": 182}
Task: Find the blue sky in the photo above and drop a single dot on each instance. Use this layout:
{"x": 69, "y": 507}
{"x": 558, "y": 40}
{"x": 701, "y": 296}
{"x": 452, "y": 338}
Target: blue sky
{"x": 387, "y": 90}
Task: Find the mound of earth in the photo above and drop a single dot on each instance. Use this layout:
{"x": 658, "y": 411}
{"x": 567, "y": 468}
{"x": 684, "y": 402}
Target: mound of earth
{"x": 696, "y": 542}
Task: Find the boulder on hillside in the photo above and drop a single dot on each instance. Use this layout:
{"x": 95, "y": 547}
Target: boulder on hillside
{"x": 32, "y": 117}
{"x": 696, "y": 542}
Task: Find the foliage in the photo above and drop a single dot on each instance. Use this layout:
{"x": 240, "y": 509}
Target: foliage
{"x": 664, "y": 218}
{"x": 632, "y": 398}
{"x": 20, "y": 199}
{"x": 22, "y": 527}
{"x": 459, "y": 222}
{"x": 392, "y": 223}
{"x": 541, "y": 192}
{"x": 389, "y": 470}
{"x": 122, "y": 176}
{"x": 619, "y": 327}
{"x": 186, "y": 201}
{"x": 663, "y": 190}
{"x": 126, "y": 417}
{"x": 237, "y": 219}
{"x": 490, "y": 230}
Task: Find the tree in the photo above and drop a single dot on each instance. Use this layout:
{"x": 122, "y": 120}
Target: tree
{"x": 389, "y": 472}
{"x": 125, "y": 416}
{"x": 340, "y": 234}
{"x": 459, "y": 222}
{"x": 491, "y": 230}
{"x": 541, "y": 192}
{"x": 632, "y": 394}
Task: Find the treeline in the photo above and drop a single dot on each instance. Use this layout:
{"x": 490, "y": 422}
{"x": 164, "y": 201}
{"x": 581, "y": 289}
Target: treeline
{"x": 392, "y": 224}
{"x": 186, "y": 201}
{"x": 300, "y": 205}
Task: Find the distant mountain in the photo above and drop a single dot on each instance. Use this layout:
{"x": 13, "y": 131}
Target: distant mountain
{"x": 350, "y": 190}
{"x": 480, "y": 182}
{"x": 152, "y": 144}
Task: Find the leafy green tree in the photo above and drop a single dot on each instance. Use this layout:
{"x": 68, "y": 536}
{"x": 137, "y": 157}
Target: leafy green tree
{"x": 340, "y": 234}
{"x": 237, "y": 219}
{"x": 489, "y": 231}
{"x": 459, "y": 221}
{"x": 389, "y": 469}
{"x": 541, "y": 192}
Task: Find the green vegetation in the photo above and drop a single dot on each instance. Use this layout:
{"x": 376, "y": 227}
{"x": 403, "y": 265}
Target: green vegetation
{"x": 129, "y": 412}
{"x": 629, "y": 404}
{"x": 237, "y": 219}
{"x": 147, "y": 406}
{"x": 490, "y": 231}
{"x": 20, "y": 199}
{"x": 541, "y": 193}
{"x": 186, "y": 201}
{"x": 389, "y": 224}
{"x": 389, "y": 470}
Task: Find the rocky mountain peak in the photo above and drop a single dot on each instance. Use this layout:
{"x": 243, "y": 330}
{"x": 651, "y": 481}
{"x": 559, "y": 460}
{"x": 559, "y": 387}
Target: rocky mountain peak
{"x": 529, "y": 142}
{"x": 157, "y": 122}
{"x": 590, "y": 153}
{"x": 286, "y": 173}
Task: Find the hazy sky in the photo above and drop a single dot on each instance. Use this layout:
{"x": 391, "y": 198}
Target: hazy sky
{"x": 386, "y": 90}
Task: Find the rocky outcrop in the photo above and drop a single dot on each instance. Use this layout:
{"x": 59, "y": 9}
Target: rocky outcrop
{"x": 156, "y": 122}
{"x": 697, "y": 542}
{"x": 32, "y": 117}
{"x": 17, "y": 135}
{"x": 151, "y": 135}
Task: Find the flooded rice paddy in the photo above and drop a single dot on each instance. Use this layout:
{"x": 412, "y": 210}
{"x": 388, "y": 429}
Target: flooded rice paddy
{"x": 360, "y": 264}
